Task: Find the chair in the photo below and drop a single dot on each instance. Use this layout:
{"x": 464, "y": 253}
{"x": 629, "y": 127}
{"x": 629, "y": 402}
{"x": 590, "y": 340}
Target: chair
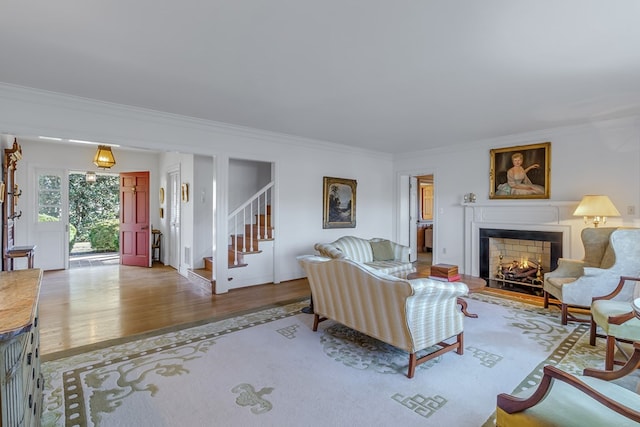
{"x": 562, "y": 399}
{"x": 609, "y": 254}
{"x": 616, "y": 318}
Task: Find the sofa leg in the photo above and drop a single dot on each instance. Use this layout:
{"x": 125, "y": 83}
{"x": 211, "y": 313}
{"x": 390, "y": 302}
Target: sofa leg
{"x": 460, "y": 349}
{"x": 309, "y": 309}
{"x": 412, "y": 365}
{"x": 565, "y": 313}
{"x": 592, "y": 332}
{"x": 316, "y": 320}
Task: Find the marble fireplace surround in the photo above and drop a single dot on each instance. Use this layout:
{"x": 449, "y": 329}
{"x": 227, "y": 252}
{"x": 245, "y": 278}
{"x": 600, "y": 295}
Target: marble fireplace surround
{"x": 518, "y": 215}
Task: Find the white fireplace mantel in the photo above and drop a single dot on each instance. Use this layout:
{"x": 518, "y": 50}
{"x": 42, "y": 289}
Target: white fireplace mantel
{"x": 521, "y": 215}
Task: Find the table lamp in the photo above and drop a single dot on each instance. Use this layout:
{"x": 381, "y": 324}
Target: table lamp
{"x": 596, "y": 209}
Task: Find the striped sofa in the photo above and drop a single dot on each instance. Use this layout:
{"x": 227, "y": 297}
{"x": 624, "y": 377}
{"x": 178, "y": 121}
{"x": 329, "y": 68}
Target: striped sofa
{"x": 409, "y": 314}
{"x": 384, "y": 255}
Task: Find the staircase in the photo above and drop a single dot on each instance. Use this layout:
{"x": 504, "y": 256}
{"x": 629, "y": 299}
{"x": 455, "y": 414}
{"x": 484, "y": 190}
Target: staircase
{"x": 249, "y": 225}
{"x": 249, "y": 242}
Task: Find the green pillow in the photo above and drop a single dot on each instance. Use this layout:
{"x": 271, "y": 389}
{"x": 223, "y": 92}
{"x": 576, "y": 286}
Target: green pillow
{"x": 382, "y": 250}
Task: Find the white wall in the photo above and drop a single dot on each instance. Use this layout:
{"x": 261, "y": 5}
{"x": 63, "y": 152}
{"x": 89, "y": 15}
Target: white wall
{"x": 202, "y": 199}
{"x": 246, "y": 177}
{"x": 599, "y": 158}
{"x": 299, "y": 164}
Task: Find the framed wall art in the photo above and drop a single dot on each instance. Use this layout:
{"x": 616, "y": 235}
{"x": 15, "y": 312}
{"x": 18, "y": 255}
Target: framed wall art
{"x": 339, "y": 203}
{"x": 520, "y": 172}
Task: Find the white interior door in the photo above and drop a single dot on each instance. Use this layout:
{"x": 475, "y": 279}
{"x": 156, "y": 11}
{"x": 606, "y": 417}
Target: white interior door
{"x": 51, "y": 219}
{"x": 173, "y": 242}
{"x": 413, "y": 217}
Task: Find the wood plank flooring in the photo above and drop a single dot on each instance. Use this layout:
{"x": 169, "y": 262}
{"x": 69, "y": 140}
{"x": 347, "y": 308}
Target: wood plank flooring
{"x": 85, "y": 306}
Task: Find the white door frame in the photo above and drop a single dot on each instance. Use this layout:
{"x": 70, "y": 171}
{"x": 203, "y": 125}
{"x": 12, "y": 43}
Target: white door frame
{"x": 407, "y": 212}
{"x": 172, "y": 241}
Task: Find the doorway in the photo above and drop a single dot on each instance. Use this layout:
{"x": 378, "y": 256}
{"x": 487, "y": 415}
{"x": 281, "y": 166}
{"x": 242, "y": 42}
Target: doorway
{"x": 94, "y": 209}
{"x": 424, "y": 223}
{"x": 417, "y": 207}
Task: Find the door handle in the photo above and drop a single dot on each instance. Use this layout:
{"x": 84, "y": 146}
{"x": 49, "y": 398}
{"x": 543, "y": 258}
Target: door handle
{"x": 146, "y": 227}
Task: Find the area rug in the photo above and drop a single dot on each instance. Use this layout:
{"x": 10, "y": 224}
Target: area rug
{"x": 269, "y": 368}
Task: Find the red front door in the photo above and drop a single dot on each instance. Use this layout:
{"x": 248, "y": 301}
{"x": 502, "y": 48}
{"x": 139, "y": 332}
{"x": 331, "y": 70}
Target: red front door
{"x": 134, "y": 218}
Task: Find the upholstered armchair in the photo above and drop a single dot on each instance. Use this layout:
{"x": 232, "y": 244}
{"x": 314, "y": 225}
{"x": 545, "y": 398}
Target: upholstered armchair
{"x": 609, "y": 254}
{"x": 562, "y": 399}
{"x": 616, "y": 319}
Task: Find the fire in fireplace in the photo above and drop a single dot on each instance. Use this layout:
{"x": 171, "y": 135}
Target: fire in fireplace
{"x": 518, "y": 257}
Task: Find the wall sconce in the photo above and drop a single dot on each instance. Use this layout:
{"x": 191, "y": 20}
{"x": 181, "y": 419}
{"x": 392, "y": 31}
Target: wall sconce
{"x": 90, "y": 177}
{"x": 104, "y": 157}
{"x": 185, "y": 192}
{"x": 596, "y": 207}
{"x": 470, "y": 198}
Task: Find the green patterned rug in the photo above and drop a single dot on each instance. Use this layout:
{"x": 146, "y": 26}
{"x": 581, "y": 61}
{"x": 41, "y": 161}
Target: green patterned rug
{"x": 269, "y": 368}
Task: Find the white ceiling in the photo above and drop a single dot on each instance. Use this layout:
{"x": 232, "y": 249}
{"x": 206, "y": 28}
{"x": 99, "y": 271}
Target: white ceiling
{"x": 389, "y": 75}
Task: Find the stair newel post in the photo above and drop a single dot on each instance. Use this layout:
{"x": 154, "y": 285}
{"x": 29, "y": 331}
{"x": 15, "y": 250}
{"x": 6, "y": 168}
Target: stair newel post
{"x": 250, "y": 228}
{"x": 257, "y": 218}
{"x": 265, "y": 215}
{"x": 235, "y": 240}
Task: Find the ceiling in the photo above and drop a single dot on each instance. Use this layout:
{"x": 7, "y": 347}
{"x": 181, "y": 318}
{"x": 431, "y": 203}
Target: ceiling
{"x": 387, "y": 75}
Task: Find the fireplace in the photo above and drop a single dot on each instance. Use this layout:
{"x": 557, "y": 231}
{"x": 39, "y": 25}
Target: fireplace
{"x": 519, "y": 258}
{"x": 521, "y": 218}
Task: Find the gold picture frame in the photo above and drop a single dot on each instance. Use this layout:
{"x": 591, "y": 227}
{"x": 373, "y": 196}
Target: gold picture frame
{"x": 520, "y": 172}
{"x": 2, "y": 187}
{"x": 161, "y": 195}
{"x": 185, "y": 192}
{"x": 339, "y": 203}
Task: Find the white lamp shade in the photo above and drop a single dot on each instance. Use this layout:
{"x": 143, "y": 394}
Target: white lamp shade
{"x": 596, "y": 205}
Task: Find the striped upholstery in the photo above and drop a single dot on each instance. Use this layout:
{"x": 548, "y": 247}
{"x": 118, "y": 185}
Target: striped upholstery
{"x": 408, "y": 314}
{"x": 359, "y": 250}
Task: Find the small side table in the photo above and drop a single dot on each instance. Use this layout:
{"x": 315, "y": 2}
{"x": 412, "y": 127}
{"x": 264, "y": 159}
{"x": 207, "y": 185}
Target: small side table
{"x": 20, "y": 252}
{"x": 156, "y": 245}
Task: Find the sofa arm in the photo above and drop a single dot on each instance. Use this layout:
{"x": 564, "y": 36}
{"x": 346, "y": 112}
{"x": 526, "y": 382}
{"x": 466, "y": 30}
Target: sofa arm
{"x": 427, "y": 287}
{"x": 568, "y": 268}
{"x": 400, "y": 252}
{"x": 432, "y": 311}
{"x": 329, "y": 250}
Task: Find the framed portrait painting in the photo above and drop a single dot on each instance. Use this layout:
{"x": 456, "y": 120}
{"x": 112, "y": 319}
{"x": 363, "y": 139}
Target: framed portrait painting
{"x": 339, "y": 203}
{"x": 520, "y": 172}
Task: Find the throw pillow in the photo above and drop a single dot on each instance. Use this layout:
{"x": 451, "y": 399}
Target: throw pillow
{"x": 382, "y": 250}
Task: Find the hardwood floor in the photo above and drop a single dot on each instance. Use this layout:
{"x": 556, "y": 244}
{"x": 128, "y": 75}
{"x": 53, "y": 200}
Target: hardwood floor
{"x": 85, "y": 306}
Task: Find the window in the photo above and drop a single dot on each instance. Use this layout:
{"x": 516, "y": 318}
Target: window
{"x": 49, "y": 198}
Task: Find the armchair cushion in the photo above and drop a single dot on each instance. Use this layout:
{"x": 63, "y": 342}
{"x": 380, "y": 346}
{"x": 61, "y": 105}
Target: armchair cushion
{"x": 602, "y": 309}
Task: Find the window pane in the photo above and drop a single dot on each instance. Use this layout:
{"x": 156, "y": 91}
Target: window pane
{"x": 48, "y": 214}
{"x": 50, "y": 182}
{"x": 50, "y": 198}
